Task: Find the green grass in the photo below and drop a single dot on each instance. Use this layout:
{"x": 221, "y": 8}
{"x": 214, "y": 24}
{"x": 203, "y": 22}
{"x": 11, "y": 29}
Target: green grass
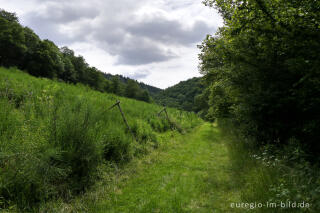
{"x": 191, "y": 173}
{"x": 56, "y": 139}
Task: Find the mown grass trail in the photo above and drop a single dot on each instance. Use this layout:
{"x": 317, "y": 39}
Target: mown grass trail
{"x": 192, "y": 175}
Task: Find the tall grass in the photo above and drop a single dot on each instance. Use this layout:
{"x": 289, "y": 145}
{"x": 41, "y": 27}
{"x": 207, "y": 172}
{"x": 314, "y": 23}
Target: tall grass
{"x": 55, "y": 137}
{"x": 272, "y": 174}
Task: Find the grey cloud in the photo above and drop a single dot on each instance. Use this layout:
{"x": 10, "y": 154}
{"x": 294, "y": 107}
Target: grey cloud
{"x": 110, "y": 33}
{"x": 170, "y": 31}
{"x": 129, "y": 48}
{"x": 140, "y": 42}
{"x": 138, "y": 75}
{"x": 62, "y": 13}
{"x": 139, "y": 51}
{"x": 50, "y": 30}
{"x": 65, "y": 14}
{"x": 47, "y": 21}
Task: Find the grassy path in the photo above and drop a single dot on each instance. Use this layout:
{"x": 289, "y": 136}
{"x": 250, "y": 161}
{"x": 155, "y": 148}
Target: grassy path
{"x": 191, "y": 175}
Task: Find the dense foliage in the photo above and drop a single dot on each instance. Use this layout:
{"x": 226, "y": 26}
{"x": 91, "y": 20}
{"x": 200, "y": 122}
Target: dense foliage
{"x": 22, "y": 48}
{"x": 182, "y": 95}
{"x": 153, "y": 91}
{"x": 262, "y": 70}
{"x": 56, "y": 137}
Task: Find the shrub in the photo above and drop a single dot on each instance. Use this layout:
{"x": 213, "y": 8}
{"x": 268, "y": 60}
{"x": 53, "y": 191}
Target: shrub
{"x": 74, "y": 132}
{"x": 117, "y": 145}
{"x": 142, "y": 131}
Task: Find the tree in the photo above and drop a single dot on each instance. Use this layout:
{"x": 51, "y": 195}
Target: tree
{"x": 144, "y": 96}
{"x": 132, "y": 89}
{"x": 47, "y": 61}
{"x": 31, "y": 42}
{"x": 95, "y": 78}
{"x": 80, "y": 66}
{"x": 263, "y": 67}
{"x": 69, "y": 73}
{"x": 11, "y": 17}
{"x": 116, "y": 85}
{"x": 67, "y": 52}
{"x": 107, "y": 87}
{"x": 12, "y": 40}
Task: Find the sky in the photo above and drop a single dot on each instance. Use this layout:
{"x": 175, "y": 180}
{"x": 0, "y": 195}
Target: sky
{"x": 152, "y": 41}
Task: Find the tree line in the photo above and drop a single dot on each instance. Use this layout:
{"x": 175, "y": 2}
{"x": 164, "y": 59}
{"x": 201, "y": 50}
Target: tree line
{"x": 22, "y": 48}
{"x": 152, "y": 91}
{"x": 184, "y": 95}
{"x": 262, "y": 70}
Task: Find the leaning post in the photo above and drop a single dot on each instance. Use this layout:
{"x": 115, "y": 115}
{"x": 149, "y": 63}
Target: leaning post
{"x": 165, "y": 110}
{"x": 123, "y": 117}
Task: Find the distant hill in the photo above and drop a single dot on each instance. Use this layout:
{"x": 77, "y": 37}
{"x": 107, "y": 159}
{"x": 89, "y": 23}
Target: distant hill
{"x": 181, "y": 95}
{"x": 153, "y": 91}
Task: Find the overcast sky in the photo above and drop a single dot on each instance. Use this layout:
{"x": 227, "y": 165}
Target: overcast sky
{"x": 153, "y": 41}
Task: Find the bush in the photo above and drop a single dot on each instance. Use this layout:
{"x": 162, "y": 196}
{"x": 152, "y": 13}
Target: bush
{"x": 270, "y": 174}
{"x": 27, "y": 171}
{"x": 159, "y": 124}
{"x": 73, "y": 131}
{"x": 117, "y": 145}
{"x": 58, "y": 156}
{"x": 142, "y": 132}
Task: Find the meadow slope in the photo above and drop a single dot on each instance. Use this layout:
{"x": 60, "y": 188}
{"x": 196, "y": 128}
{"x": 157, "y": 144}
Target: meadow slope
{"x": 56, "y": 138}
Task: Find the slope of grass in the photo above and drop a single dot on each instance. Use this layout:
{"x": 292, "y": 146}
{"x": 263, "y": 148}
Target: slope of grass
{"x": 56, "y": 138}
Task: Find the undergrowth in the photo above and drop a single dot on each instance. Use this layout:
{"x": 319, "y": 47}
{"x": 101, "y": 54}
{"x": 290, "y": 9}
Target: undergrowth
{"x": 273, "y": 174}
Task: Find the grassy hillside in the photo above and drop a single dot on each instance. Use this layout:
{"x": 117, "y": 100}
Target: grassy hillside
{"x": 182, "y": 95}
{"x": 55, "y": 138}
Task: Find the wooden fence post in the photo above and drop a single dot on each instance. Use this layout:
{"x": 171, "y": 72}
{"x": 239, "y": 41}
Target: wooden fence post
{"x": 165, "y": 110}
{"x": 123, "y": 117}
{"x": 161, "y": 111}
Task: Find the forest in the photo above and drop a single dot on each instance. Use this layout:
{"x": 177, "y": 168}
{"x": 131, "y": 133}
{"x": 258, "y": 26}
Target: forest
{"x": 182, "y": 95}
{"x": 262, "y": 71}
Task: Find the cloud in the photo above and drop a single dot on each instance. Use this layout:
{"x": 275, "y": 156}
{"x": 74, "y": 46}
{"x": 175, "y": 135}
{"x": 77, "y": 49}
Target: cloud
{"x": 168, "y": 31}
{"x": 147, "y": 40}
{"x": 125, "y": 36}
{"x": 66, "y": 12}
{"x": 133, "y": 39}
{"x": 140, "y": 74}
{"x": 62, "y": 22}
{"x": 140, "y": 51}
